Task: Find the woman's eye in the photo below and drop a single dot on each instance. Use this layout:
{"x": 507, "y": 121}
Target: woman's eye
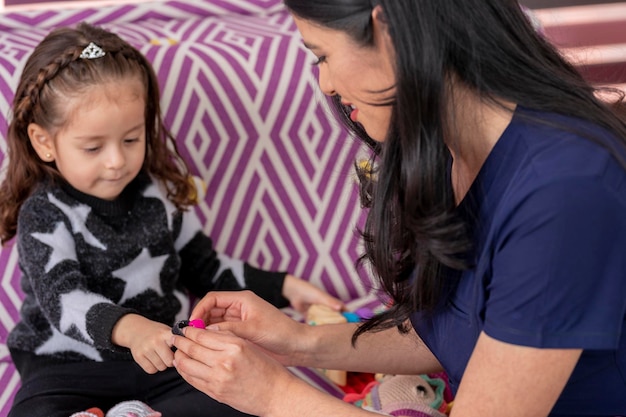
{"x": 320, "y": 60}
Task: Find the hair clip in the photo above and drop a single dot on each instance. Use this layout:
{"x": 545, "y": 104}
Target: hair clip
{"x": 92, "y": 51}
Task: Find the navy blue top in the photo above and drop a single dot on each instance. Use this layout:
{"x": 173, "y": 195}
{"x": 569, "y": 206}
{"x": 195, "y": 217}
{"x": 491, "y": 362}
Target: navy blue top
{"x": 548, "y": 215}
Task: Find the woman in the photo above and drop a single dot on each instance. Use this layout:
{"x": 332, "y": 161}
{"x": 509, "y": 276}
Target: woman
{"x": 496, "y": 222}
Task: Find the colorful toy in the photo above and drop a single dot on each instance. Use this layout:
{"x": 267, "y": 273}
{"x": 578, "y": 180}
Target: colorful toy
{"x": 177, "y": 328}
{"x": 132, "y": 408}
{"x": 403, "y": 396}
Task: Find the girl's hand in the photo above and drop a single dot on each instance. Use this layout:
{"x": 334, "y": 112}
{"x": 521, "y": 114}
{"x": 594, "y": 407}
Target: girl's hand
{"x": 248, "y": 316}
{"x": 148, "y": 341}
{"x": 231, "y": 370}
{"x": 302, "y": 294}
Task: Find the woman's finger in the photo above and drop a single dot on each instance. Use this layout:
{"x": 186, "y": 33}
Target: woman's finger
{"x": 219, "y": 304}
{"x": 202, "y": 345}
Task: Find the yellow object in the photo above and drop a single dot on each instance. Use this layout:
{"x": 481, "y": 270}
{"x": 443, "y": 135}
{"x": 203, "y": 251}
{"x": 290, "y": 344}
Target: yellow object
{"x": 198, "y": 188}
{"x": 163, "y": 41}
{"x": 322, "y": 314}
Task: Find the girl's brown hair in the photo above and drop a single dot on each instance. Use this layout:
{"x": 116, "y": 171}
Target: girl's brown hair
{"x": 52, "y": 74}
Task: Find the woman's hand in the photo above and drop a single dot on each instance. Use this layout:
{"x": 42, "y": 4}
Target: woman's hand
{"x": 302, "y": 294}
{"x": 235, "y": 372}
{"x": 250, "y": 317}
{"x": 231, "y": 370}
{"x": 147, "y": 340}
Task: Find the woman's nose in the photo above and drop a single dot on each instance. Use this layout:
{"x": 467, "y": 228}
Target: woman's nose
{"x": 325, "y": 82}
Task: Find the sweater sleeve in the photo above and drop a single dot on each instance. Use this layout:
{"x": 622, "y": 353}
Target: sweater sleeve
{"x": 204, "y": 270}
{"x": 56, "y": 289}
{"x": 266, "y": 284}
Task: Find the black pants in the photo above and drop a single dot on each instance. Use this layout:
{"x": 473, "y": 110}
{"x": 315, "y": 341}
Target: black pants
{"x": 61, "y": 390}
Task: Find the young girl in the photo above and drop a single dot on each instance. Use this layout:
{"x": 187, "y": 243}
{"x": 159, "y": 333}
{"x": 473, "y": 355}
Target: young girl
{"x": 98, "y": 197}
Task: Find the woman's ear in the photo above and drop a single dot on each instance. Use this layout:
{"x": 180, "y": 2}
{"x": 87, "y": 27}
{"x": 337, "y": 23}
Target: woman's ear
{"x": 42, "y": 142}
{"x": 379, "y": 28}
{"x": 381, "y": 38}
{"x": 378, "y": 15}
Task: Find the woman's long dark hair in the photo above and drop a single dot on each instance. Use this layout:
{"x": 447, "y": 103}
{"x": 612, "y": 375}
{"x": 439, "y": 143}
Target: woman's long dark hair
{"x": 412, "y": 234}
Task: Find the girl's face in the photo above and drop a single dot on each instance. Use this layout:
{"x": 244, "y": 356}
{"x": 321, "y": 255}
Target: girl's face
{"x": 102, "y": 147}
{"x": 362, "y": 76}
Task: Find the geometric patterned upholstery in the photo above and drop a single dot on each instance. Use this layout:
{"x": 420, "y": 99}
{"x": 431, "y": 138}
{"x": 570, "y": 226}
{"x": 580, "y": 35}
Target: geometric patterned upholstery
{"x": 240, "y": 95}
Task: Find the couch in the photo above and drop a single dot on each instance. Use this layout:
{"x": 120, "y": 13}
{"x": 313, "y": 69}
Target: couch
{"x": 241, "y": 97}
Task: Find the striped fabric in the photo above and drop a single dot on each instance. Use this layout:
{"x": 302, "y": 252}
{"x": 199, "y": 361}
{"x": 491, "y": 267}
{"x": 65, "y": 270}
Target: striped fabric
{"x": 241, "y": 96}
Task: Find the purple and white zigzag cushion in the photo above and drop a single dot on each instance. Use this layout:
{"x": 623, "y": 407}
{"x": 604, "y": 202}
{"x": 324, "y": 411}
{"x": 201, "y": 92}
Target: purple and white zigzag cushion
{"x": 240, "y": 94}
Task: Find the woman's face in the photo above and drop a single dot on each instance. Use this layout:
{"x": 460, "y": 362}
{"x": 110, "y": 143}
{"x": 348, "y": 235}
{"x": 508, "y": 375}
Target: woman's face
{"x": 362, "y": 76}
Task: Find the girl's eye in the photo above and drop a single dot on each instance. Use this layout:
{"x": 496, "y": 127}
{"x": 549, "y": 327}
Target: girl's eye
{"x": 320, "y": 60}
{"x": 92, "y": 150}
{"x": 131, "y": 140}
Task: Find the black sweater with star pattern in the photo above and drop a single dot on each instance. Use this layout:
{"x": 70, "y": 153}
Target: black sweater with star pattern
{"x": 86, "y": 262}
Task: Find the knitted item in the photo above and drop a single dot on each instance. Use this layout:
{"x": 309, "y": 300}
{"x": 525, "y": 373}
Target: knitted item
{"x": 92, "y": 412}
{"x": 86, "y": 262}
{"x": 403, "y": 396}
{"x": 132, "y": 408}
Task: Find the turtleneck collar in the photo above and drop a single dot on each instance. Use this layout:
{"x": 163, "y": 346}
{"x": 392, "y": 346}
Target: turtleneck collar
{"x": 122, "y": 205}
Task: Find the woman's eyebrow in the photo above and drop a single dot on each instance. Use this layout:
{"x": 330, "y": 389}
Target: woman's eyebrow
{"x": 309, "y": 45}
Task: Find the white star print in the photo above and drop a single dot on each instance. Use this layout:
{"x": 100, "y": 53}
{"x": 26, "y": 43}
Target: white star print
{"x": 62, "y": 244}
{"x": 78, "y": 217}
{"x": 155, "y": 192}
{"x": 59, "y": 342}
{"x": 74, "y": 307}
{"x": 141, "y": 274}
{"x": 234, "y": 265}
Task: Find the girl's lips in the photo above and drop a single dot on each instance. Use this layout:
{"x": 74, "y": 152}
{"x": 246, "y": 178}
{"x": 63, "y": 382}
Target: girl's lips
{"x": 353, "y": 114}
